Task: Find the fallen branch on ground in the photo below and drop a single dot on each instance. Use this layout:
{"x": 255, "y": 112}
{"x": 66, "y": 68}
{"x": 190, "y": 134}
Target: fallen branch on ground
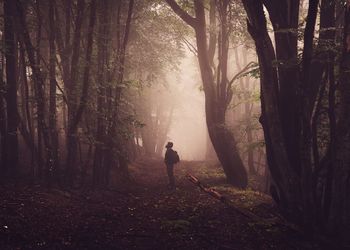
{"x": 278, "y": 221}
{"x": 223, "y": 199}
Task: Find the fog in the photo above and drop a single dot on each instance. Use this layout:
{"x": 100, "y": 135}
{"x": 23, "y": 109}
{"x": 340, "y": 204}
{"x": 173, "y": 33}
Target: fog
{"x": 188, "y": 129}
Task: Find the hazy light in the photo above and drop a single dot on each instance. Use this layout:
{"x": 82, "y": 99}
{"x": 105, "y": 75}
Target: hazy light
{"x": 188, "y": 128}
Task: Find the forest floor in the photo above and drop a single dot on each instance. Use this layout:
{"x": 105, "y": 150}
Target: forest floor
{"x": 144, "y": 215}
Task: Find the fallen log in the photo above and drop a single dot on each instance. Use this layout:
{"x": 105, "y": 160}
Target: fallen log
{"x": 277, "y": 221}
{"x": 212, "y": 192}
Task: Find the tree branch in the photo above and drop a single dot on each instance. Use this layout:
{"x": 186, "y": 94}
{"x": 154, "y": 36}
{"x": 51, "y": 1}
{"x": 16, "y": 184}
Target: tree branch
{"x": 236, "y": 76}
{"x": 213, "y": 33}
{"x": 182, "y": 14}
{"x": 190, "y": 46}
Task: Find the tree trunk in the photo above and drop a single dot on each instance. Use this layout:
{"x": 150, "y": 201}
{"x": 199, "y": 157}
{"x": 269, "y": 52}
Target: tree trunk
{"x": 310, "y": 184}
{"x": 11, "y": 86}
{"x": 75, "y": 120}
{"x": 28, "y": 113}
{"x": 216, "y": 94}
{"x": 114, "y": 142}
{"x": 102, "y": 45}
{"x": 281, "y": 169}
{"x": 53, "y": 167}
{"x": 3, "y": 154}
{"x": 340, "y": 205}
{"x": 37, "y": 58}
{"x": 71, "y": 88}
{"x": 43, "y": 131}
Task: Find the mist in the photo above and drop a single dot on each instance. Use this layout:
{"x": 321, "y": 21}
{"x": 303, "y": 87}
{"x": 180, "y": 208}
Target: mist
{"x": 188, "y": 129}
{"x": 253, "y": 96}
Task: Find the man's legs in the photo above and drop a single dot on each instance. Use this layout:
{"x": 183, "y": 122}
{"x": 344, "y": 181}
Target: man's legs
{"x": 170, "y": 170}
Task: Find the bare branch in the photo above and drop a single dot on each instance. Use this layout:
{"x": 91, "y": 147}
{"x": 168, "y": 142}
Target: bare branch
{"x": 190, "y": 46}
{"x": 236, "y": 76}
{"x": 213, "y": 33}
{"x": 62, "y": 92}
{"x": 240, "y": 73}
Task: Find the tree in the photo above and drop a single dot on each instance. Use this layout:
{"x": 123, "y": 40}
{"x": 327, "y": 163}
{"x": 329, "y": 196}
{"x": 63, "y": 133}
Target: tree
{"x": 310, "y": 186}
{"x": 110, "y": 152}
{"x": 78, "y": 109}
{"x": 72, "y": 88}
{"x": 53, "y": 52}
{"x": 11, "y": 157}
{"x": 104, "y": 25}
{"x": 2, "y": 121}
{"x": 217, "y": 91}
{"x": 39, "y": 84}
{"x": 53, "y": 104}
{"x": 148, "y": 70}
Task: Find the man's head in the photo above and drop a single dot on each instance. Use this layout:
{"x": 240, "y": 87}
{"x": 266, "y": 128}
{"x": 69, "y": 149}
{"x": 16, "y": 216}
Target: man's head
{"x": 169, "y": 145}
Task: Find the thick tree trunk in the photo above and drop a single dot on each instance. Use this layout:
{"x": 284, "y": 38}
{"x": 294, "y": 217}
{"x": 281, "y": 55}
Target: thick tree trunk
{"x": 226, "y": 150}
{"x": 314, "y": 185}
{"x": 284, "y": 17}
{"x": 210, "y": 152}
{"x": 222, "y": 139}
{"x": 216, "y": 93}
{"x": 340, "y": 205}
{"x": 282, "y": 171}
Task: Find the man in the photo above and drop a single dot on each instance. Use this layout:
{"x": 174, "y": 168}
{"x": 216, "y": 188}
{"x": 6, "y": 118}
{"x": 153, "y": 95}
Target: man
{"x": 171, "y": 158}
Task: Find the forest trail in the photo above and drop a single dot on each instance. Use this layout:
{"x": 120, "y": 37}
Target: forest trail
{"x": 146, "y": 216}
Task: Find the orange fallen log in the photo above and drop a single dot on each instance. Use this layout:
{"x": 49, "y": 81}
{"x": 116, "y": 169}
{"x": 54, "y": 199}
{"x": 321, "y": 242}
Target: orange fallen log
{"x": 278, "y": 220}
{"x": 210, "y": 191}
{"x": 221, "y": 198}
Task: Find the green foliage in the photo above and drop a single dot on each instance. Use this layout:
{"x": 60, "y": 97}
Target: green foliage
{"x": 238, "y": 32}
{"x": 254, "y": 72}
{"x": 155, "y": 42}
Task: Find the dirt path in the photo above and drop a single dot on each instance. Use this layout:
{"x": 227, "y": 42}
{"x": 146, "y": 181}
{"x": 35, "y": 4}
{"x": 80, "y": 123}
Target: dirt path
{"x": 146, "y": 216}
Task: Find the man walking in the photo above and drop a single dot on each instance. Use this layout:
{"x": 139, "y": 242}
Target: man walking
{"x": 171, "y": 158}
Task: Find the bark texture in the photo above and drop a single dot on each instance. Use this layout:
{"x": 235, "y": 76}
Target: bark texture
{"x": 310, "y": 182}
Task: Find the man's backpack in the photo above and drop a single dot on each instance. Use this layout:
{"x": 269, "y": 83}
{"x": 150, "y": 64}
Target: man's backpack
{"x": 176, "y": 157}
